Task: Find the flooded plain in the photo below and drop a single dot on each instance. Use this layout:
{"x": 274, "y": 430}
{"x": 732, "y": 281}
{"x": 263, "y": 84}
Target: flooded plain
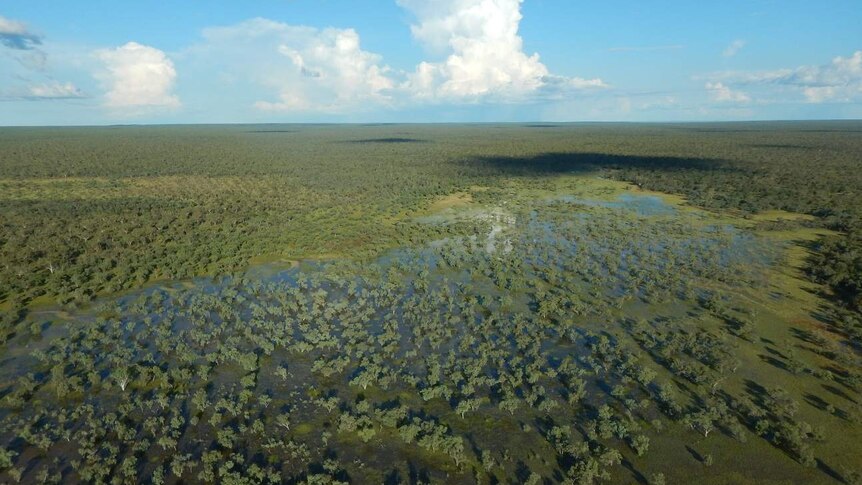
{"x": 467, "y": 358}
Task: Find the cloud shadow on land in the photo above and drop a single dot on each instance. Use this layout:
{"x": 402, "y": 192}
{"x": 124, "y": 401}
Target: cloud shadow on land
{"x": 387, "y": 140}
{"x": 786, "y": 146}
{"x": 557, "y": 163}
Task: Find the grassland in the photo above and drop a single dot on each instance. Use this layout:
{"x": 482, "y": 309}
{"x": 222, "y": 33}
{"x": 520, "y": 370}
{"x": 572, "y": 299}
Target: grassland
{"x": 441, "y": 303}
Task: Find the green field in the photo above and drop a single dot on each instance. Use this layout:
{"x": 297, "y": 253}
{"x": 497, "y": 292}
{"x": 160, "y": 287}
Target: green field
{"x": 480, "y": 303}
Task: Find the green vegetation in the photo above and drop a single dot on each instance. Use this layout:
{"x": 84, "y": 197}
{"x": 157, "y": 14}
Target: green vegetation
{"x": 431, "y": 304}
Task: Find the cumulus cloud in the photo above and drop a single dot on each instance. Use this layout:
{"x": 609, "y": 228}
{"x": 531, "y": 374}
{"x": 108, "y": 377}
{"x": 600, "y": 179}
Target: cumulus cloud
{"x": 733, "y": 48}
{"x": 478, "y": 56}
{"x": 309, "y": 69}
{"x": 837, "y": 81}
{"x": 484, "y": 53}
{"x": 724, "y": 94}
{"x": 137, "y": 76}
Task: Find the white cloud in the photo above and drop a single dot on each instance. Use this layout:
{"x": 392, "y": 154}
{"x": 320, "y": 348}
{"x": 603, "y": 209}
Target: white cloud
{"x": 484, "y": 53}
{"x": 309, "y": 69}
{"x": 24, "y": 45}
{"x": 55, "y": 90}
{"x": 840, "y": 80}
{"x": 723, "y": 94}
{"x": 820, "y": 94}
{"x": 51, "y": 90}
{"x": 659, "y": 103}
{"x": 480, "y": 57}
{"x": 647, "y": 48}
{"x": 32, "y": 81}
{"x": 137, "y": 76}
{"x": 580, "y": 83}
{"x": 733, "y": 48}
{"x": 15, "y": 35}
{"x": 750, "y": 77}
{"x": 837, "y": 81}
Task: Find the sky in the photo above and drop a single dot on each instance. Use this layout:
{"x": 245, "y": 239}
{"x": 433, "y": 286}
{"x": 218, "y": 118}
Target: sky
{"x": 100, "y": 62}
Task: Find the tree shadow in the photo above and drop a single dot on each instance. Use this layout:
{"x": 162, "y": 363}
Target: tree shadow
{"x": 827, "y": 315}
{"x": 755, "y": 390}
{"x": 806, "y": 336}
{"x": 417, "y": 475}
{"x": 816, "y": 401}
{"x": 838, "y": 392}
{"x": 775, "y": 352}
{"x": 829, "y": 471}
{"x": 697, "y": 456}
{"x": 778, "y": 364}
{"x": 393, "y": 478}
{"x": 522, "y": 472}
{"x": 637, "y": 475}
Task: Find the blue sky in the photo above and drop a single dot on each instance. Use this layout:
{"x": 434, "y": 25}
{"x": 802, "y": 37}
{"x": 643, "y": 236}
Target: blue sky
{"x": 101, "y": 62}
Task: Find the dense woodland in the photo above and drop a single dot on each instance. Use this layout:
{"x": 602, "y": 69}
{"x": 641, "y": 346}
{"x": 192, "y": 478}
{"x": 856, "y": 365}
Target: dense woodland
{"x": 196, "y": 200}
{"x": 431, "y": 304}
{"x": 193, "y": 200}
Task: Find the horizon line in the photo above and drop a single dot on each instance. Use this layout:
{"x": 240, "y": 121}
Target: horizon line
{"x": 437, "y": 123}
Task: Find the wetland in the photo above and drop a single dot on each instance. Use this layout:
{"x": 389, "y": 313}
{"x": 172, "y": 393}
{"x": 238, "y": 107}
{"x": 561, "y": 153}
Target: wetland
{"x": 430, "y": 304}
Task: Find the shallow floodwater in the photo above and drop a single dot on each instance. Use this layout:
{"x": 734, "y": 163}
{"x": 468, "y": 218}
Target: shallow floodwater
{"x": 321, "y": 330}
{"x": 730, "y": 245}
{"x": 643, "y": 205}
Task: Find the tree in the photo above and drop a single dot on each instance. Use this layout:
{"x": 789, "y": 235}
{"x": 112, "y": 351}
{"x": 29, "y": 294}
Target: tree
{"x": 510, "y": 403}
{"x": 640, "y": 443}
{"x": 658, "y": 479}
{"x": 467, "y": 405}
{"x": 488, "y": 462}
{"x": 364, "y": 379}
{"x": 121, "y": 377}
{"x": 6, "y": 458}
{"x": 702, "y": 421}
{"x": 283, "y": 420}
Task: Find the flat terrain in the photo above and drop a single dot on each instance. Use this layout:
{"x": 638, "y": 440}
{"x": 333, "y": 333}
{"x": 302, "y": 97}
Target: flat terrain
{"x": 432, "y": 303}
